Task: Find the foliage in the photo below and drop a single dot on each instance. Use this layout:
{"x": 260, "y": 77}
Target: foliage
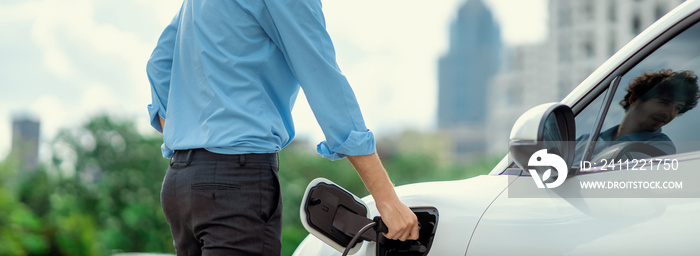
{"x": 20, "y": 229}
{"x": 100, "y": 193}
{"x": 299, "y": 167}
{"x": 109, "y": 201}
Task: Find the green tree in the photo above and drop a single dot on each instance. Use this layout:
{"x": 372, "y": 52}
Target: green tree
{"x": 20, "y": 228}
{"x": 298, "y": 167}
{"x": 108, "y": 192}
{"x": 100, "y": 194}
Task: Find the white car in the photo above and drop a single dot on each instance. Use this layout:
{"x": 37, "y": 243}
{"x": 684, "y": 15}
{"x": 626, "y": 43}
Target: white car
{"x": 621, "y": 199}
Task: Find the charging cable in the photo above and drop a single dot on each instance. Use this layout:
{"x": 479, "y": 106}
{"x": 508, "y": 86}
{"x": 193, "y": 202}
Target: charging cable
{"x": 357, "y": 236}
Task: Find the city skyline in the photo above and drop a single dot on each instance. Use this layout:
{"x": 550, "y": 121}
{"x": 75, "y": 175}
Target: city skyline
{"x": 582, "y": 35}
{"x": 465, "y": 71}
{"x": 67, "y": 68}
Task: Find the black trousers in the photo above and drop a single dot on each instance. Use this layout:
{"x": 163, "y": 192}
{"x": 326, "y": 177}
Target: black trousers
{"x": 223, "y": 204}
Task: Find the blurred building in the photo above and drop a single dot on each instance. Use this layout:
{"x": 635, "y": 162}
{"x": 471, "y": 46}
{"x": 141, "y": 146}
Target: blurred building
{"x": 585, "y": 33}
{"x": 415, "y": 143}
{"x": 511, "y": 92}
{"x": 582, "y": 35}
{"x": 464, "y": 74}
{"x": 25, "y": 141}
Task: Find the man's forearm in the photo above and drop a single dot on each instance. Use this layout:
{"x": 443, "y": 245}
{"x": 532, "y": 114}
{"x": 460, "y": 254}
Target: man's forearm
{"x": 374, "y": 176}
{"x": 402, "y": 222}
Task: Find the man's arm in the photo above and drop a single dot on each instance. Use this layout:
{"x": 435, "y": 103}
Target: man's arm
{"x": 401, "y": 221}
{"x": 158, "y": 70}
{"x": 299, "y": 32}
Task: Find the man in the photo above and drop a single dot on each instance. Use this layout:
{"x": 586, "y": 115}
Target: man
{"x": 224, "y": 77}
{"x": 653, "y": 100}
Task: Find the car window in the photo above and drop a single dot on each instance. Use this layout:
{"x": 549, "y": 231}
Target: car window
{"x": 585, "y": 123}
{"x": 680, "y": 54}
{"x": 654, "y": 104}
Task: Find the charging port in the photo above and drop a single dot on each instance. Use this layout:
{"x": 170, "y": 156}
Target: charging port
{"x": 427, "y": 219}
{"x": 336, "y": 216}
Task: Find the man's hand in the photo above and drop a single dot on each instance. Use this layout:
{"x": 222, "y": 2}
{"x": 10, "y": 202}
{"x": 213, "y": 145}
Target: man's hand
{"x": 401, "y": 221}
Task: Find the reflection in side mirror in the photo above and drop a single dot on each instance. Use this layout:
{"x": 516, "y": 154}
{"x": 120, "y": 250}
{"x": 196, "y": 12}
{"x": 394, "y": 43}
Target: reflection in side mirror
{"x": 548, "y": 126}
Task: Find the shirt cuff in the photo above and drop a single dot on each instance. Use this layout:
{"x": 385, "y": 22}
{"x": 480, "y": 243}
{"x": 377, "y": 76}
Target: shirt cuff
{"x": 154, "y": 112}
{"x": 357, "y": 144}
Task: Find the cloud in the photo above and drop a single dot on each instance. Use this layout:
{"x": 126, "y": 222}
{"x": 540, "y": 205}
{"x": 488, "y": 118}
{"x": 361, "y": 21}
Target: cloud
{"x": 388, "y": 50}
{"x": 76, "y": 60}
{"x": 77, "y": 47}
{"x": 98, "y": 98}
{"x": 53, "y": 115}
{"x": 91, "y": 54}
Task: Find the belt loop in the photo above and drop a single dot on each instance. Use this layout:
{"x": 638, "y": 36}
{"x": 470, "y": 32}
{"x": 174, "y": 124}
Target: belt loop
{"x": 173, "y": 158}
{"x": 189, "y": 157}
{"x": 242, "y": 159}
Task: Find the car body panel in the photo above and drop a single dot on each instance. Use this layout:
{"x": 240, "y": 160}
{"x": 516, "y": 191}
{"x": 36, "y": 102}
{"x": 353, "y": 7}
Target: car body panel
{"x": 586, "y": 223}
{"x": 478, "y": 216}
{"x": 458, "y": 212}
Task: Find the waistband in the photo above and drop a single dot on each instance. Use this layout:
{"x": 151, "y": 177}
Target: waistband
{"x": 199, "y": 154}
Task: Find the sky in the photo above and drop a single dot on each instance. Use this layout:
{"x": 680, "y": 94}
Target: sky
{"x": 64, "y": 61}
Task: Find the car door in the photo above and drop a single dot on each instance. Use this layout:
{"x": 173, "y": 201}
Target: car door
{"x": 611, "y": 208}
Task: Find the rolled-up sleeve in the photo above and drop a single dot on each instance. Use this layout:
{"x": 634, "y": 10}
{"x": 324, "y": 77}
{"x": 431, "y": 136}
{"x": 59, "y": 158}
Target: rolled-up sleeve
{"x": 358, "y": 143}
{"x": 158, "y": 70}
{"x": 300, "y": 33}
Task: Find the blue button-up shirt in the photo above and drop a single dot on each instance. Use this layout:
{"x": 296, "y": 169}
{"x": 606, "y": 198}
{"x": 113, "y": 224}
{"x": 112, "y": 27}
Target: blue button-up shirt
{"x": 225, "y": 75}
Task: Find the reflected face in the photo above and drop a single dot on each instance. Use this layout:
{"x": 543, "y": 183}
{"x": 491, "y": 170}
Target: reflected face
{"x": 654, "y": 113}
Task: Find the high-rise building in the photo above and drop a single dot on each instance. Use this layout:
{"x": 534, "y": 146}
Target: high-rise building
{"x": 582, "y": 35}
{"x": 25, "y": 142}
{"x": 585, "y": 33}
{"x": 464, "y": 74}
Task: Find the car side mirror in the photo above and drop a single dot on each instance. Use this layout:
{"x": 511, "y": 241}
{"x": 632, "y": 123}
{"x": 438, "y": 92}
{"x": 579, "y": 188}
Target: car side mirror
{"x": 549, "y": 126}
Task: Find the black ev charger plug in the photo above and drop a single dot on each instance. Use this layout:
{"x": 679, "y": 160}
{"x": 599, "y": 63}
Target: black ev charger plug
{"x": 379, "y": 227}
